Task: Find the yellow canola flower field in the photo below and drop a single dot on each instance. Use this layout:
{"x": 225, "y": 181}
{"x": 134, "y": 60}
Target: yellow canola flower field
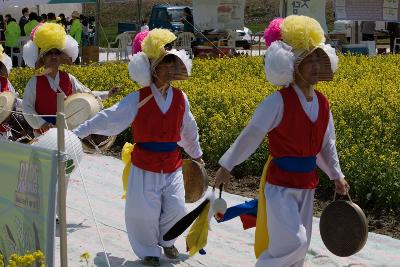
{"x": 365, "y": 101}
{"x": 29, "y": 259}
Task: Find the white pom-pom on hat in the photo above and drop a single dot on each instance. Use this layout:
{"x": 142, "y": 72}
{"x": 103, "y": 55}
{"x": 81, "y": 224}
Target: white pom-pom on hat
{"x": 71, "y": 47}
{"x": 30, "y": 54}
{"x": 279, "y": 64}
{"x": 333, "y": 58}
{"x": 139, "y": 69}
{"x": 6, "y": 60}
{"x": 182, "y": 55}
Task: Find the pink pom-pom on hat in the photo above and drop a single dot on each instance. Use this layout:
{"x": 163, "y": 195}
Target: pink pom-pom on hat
{"x": 32, "y": 36}
{"x": 273, "y": 32}
{"x": 137, "y": 41}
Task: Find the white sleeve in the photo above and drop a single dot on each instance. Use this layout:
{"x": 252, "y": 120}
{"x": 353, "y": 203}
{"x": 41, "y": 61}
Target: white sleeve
{"x": 18, "y": 101}
{"x": 12, "y": 89}
{"x": 101, "y": 94}
{"x": 327, "y": 159}
{"x": 28, "y": 105}
{"x": 113, "y": 120}
{"x": 77, "y": 86}
{"x": 189, "y": 133}
{"x": 267, "y": 116}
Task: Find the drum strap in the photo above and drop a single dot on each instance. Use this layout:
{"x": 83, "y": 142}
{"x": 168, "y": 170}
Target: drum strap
{"x": 144, "y": 101}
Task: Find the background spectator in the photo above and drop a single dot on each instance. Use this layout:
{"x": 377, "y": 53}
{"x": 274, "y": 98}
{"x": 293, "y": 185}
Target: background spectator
{"x": 187, "y": 20}
{"x": 51, "y": 17}
{"x": 6, "y": 18}
{"x": 394, "y": 32}
{"x": 76, "y": 30}
{"x": 64, "y": 21}
{"x": 12, "y": 34}
{"x": 23, "y": 20}
{"x": 2, "y": 28}
{"x": 85, "y": 30}
{"x": 368, "y": 30}
{"x": 32, "y": 23}
{"x": 92, "y": 30}
{"x": 44, "y": 17}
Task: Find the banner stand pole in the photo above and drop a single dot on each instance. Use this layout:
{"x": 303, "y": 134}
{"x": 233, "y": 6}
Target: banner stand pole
{"x": 61, "y": 179}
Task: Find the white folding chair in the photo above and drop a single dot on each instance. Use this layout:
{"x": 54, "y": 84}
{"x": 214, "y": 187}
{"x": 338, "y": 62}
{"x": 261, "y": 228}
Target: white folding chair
{"x": 229, "y": 41}
{"x": 20, "y": 44}
{"x": 123, "y": 40}
{"x": 396, "y": 45}
{"x": 184, "y": 41}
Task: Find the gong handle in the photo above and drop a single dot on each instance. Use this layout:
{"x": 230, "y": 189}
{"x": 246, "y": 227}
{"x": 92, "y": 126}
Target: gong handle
{"x": 347, "y": 194}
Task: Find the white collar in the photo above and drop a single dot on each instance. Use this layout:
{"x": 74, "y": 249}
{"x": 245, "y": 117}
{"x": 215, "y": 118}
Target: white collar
{"x": 55, "y": 83}
{"x": 157, "y": 92}
{"x": 301, "y": 95}
{"x": 57, "y": 78}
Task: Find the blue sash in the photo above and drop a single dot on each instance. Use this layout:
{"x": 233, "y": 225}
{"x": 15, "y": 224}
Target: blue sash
{"x": 51, "y": 120}
{"x": 296, "y": 164}
{"x": 158, "y": 146}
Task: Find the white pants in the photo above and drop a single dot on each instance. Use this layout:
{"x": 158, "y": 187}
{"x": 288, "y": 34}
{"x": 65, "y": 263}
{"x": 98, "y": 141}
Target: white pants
{"x": 154, "y": 203}
{"x": 289, "y": 220}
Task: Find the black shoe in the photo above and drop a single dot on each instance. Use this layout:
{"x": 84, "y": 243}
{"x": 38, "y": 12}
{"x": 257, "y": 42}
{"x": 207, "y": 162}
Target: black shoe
{"x": 171, "y": 252}
{"x": 151, "y": 261}
{"x": 57, "y": 220}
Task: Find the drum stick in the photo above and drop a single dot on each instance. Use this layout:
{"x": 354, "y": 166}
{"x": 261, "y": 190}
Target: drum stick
{"x": 69, "y": 116}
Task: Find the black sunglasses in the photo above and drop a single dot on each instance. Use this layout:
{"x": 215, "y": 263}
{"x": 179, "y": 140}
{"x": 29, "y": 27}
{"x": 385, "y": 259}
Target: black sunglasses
{"x": 168, "y": 47}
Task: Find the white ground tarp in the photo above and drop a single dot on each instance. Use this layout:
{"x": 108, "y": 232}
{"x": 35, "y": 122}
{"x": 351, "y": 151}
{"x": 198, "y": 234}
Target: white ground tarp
{"x": 228, "y": 243}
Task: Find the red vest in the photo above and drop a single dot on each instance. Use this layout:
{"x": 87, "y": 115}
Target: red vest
{"x": 4, "y": 84}
{"x": 151, "y": 125}
{"x": 296, "y": 136}
{"x": 3, "y": 88}
{"x": 46, "y": 98}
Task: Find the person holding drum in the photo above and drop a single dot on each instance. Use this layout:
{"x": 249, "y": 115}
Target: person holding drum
{"x": 161, "y": 120}
{"x": 5, "y": 87}
{"x": 301, "y": 137}
{"x": 50, "y": 47}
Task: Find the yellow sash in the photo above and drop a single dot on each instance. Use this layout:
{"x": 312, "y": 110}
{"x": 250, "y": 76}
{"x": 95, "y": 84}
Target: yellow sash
{"x": 197, "y": 237}
{"x": 126, "y": 158}
{"x": 261, "y": 236}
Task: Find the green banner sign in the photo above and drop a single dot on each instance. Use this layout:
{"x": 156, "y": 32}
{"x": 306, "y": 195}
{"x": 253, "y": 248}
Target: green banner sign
{"x": 27, "y": 200}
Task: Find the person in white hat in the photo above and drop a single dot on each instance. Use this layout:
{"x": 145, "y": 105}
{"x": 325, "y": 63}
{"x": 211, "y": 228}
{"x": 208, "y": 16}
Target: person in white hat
{"x": 6, "y": 86}
{"x": 301, "y": 137}
{"x": 50, "y": 47}
{"x": 161, "y": 122}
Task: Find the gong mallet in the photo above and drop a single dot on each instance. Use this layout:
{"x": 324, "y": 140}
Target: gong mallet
{"x": 185, "y": 222}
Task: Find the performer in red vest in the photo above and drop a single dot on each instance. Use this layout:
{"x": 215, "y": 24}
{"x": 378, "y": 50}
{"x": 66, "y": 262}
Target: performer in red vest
{"x": 50, "y": 47}
{"x": 161, "y": 122}
{"x": 298, "y": 123}
{"x": 6, "y": 86}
